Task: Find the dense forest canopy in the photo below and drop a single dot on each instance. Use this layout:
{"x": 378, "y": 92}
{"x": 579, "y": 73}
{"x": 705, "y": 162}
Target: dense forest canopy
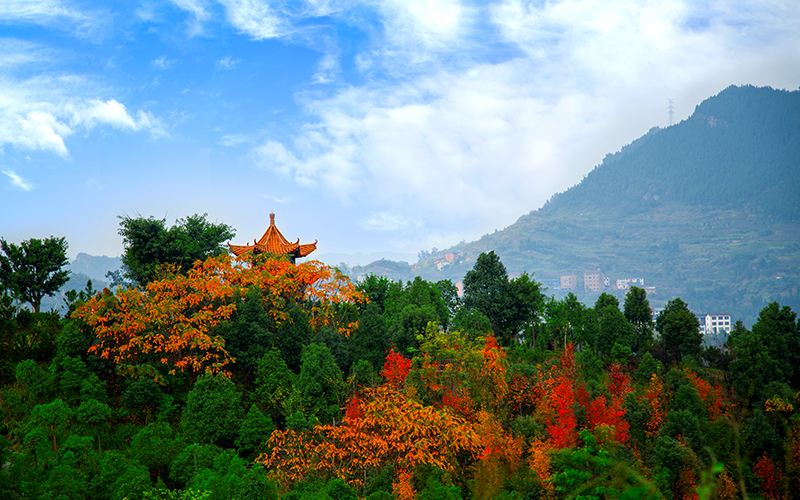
{"x": 254, "y": 378}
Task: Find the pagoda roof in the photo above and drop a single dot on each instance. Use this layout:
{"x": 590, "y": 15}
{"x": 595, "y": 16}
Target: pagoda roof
{"x": 274, "y": 242}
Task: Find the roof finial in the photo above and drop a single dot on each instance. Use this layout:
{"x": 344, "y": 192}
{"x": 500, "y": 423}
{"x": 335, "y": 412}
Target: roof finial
{"x": 271, "y": 219}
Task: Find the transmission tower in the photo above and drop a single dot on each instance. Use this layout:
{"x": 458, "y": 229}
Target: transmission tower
{"x": 670, "y": 110}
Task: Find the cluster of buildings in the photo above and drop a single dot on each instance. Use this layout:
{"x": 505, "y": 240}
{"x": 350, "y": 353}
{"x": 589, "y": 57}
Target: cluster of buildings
{"x": 596, "y": 281}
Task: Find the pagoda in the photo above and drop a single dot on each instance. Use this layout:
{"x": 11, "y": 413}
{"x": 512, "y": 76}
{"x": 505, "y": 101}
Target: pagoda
{"x": 274, "y": 242}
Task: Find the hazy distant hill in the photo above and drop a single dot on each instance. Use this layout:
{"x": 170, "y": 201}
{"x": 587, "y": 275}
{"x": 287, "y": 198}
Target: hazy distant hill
{"x": 707, "y": 209}
{"x": 85, "y": 267}
{"x": 94, "y": 267}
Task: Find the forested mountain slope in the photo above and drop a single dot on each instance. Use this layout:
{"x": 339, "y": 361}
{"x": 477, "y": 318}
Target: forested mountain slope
{"x": 739, "y": 149}
{"x": 707, "y": 209}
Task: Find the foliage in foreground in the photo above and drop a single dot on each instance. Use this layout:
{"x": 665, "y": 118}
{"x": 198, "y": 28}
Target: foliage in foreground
{"x": 260, "y": 379}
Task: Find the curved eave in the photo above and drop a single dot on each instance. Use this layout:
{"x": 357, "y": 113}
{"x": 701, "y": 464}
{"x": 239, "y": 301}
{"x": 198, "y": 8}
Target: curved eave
{"x": 306, "y": 249}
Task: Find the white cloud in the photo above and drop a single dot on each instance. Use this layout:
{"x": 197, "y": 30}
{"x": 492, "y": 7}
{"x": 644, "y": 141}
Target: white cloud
{"x": 256, "y": 18}
{"x": 476, "y": 148}
{"x": 199, "y": 12}
{"x": 163, "y": 63}
{"x": 40, "y": 130}
{"x": 234, "y": 140}
{"x": 40, "y": 113}
{"x": 327, "y": 68}
{"x": 17, "y": 181}
{"x": 273, "y": 155}
{"x": 94, "y": 24}
{"x": 423, "y": 25}
{"x": 275, "y": 198}
{"x": 384, "y": 221}
{"x": 15, "y": 53}
{"x": 96, "y": 112}
{"x": 228, "y": 63}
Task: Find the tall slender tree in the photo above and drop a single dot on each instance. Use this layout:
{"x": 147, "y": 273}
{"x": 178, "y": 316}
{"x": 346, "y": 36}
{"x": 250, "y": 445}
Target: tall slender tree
{"x": 679, "y": 331}
{"x": 638, "y": 313}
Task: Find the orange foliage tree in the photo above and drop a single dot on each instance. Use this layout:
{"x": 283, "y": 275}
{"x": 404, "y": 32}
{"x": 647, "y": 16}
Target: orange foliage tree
{"x": 387, "y": 425}
{"x": 654, "y": 394}
{"x": 500, "y": 457}
{"x": 539, "y": 455}
{"x": 168, "y": 322}
{"x": 712, "y": 396}
{"x": 390, "y": 429}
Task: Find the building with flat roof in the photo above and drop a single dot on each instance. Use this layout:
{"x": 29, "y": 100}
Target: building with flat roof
{"x": 593, "y": 281}
{"x": 714, "y": 323}
{"x": 569, "y": 281}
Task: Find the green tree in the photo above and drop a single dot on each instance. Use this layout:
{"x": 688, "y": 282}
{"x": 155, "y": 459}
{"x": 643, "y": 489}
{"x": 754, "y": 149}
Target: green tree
{"x": 486, "y": 289}
{"x": 370, "y": 341}
{"x": 752, "y": 368}
{"x": 94, "y": 414}
{"x": 191, "y": 461}
{"x": 255, "y": 430}
{"x": 449, "y": 294}
{"x": 213, "y": 411}
{"x": 149, "y": 244}
{"x": 526, "y": 303}
{"x": 377, "y": 289}
{"x": 320, "y": 383}
{"x": 33, "y": 269}
{"x": 53, "y": 416}
{"x": 638, "y": 313}
{"x": 274, "y": 385}
{"x": 614, "y": 329}
{"x": 570, "y": 322}
{"x": 249, "y": 333}
{"x": 119, "y": 477}
{"x": 604, "y": 301}
{"x": 679, "y": 331}
{"x": 155, "y": 447}
{"x": 472, "y": 322}
{"x": 777, "y": 329}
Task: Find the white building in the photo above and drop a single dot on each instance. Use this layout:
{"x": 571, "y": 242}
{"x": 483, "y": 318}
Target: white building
{"x": 714, "y": 323}
{"x": 625, "y": 283}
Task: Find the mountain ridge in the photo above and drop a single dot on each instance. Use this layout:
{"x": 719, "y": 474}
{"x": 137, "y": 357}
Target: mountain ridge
{"x": 706, "y": 209}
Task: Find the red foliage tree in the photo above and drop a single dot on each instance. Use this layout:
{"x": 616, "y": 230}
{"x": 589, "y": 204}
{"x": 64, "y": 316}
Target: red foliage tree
{"x": 771, "y": 478}
{"x": 396, "y": 368}
{"x": 563, "y": 430}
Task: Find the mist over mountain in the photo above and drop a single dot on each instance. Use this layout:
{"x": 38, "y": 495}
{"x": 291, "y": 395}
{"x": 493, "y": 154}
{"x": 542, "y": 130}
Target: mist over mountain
{"x": 706, "y": 209}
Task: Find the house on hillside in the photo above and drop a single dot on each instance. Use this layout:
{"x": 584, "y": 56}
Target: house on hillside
{"x": 447, "y": 260}
{"x": 626, "y": 283}
{"x": 569, "y": 282}
{"x": 714, "y": 323}
{"x": 593, "y": 281}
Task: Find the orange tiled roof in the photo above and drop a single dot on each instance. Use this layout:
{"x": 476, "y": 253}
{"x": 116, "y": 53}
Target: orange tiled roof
{"x": 274, "y": 242}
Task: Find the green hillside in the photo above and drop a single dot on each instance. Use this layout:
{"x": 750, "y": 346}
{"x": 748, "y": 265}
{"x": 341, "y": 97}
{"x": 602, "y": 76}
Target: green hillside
{"x": 707, "y": 209}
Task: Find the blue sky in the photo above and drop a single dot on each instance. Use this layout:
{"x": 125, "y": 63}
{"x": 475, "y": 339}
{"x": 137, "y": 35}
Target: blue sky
{"x": 377, "y": 128}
